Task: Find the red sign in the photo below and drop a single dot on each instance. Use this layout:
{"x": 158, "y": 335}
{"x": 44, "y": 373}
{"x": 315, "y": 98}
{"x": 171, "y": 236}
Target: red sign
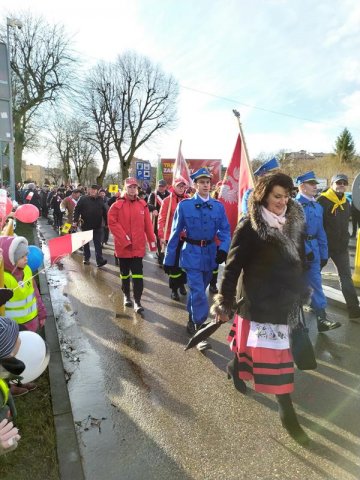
{"x": 214, "y": 166}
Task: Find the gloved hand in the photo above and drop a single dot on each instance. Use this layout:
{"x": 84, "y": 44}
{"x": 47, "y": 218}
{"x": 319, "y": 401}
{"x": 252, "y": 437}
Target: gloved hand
{"x": 323, "y": 262}
{"x": 169, "y": 269}
{"x": 221, "y": 256}
{"x": 310, "y": 257}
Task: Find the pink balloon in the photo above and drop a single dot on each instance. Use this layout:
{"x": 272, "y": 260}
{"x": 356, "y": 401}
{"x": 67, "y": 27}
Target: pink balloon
{"x": 9, "y": 206}
{"x": 27, "y": 213}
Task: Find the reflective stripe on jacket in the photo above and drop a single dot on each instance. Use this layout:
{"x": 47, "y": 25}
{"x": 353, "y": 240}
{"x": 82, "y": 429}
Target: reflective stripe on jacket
{"x": 4, "y": 389}
{"x": 22, "y": 307}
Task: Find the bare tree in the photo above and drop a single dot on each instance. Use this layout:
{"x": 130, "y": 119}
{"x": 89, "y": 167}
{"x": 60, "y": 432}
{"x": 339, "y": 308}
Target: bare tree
{"x": 82, "y": 152}
{"x": 54, "y": 173}
{"x": 93, "y": 105}
{"x": 41, "y": 66}
{"x": 137, "y": 100}
{"x": 60, "y": 142}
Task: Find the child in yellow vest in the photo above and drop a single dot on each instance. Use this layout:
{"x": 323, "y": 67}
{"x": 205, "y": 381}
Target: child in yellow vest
{"x": 26, "y": 306}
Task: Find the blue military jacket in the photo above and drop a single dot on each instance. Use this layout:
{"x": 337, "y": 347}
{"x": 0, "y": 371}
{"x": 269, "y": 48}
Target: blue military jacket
{"x": 201, "y": 221}
{"x": 316, "y": 240}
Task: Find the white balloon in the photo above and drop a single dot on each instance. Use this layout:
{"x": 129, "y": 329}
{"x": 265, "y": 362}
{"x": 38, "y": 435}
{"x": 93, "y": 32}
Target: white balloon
{"x": 34, "y": 353}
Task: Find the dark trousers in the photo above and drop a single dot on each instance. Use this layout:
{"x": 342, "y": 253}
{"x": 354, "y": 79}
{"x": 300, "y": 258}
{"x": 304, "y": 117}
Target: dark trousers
{"x": 97, "y": 239}
{"x": 342, "y": 263}
{"x": 58, "y": 218}
{"x": 135, "y": 266}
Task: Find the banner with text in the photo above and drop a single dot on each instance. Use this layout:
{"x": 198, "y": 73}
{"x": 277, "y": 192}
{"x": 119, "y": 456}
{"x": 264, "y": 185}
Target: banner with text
{"x": 214, "y": 166}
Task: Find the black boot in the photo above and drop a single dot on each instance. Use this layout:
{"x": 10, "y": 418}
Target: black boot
{"x": 183, "y": 290}
{"x": 289, "y": 419}
{"x": 175, "y": 295}
{"x": 232, "y": 369}
{"x": 323, "y": 323}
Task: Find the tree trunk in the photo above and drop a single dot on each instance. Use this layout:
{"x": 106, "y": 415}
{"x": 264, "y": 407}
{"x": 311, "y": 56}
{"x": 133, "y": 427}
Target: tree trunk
{"x": 100, "y": 178}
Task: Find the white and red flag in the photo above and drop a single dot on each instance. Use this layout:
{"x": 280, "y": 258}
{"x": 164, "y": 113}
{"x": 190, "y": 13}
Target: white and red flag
{"x": 238, "y": 178}
{"x": 61, "y": 246}
{"x": 29, "y": 196}
{"x": 180, "y": 168}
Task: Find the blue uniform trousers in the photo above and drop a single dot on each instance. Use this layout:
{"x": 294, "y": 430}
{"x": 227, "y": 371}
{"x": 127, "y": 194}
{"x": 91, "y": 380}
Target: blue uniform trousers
{"x": 318, "y": 299}
{"x": 197, "y": 302}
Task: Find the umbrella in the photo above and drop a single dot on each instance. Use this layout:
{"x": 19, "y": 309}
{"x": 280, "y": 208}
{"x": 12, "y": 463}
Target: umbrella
{"x": 205, "y": 331}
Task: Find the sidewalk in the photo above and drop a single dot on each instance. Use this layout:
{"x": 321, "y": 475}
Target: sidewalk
{"x": 68, "y": 453}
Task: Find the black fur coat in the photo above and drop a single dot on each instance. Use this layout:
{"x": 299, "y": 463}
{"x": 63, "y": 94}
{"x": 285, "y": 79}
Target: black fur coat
{"x": 270, "y": 265}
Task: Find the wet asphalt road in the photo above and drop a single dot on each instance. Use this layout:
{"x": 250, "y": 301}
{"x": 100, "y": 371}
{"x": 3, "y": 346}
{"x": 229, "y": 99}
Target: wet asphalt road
{"x": 145, "y": 409}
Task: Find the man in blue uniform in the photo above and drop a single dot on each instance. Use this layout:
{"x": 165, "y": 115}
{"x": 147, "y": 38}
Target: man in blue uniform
{"x": 316, "y": 248}
{"x": 201, "y": 217}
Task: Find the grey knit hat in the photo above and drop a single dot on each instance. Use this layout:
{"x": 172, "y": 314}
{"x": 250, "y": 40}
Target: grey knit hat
{"x": 22, "y": 249}
{"x": 9, "y": 332}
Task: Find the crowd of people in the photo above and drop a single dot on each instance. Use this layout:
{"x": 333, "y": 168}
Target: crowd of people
{"x": 273, "y": 262}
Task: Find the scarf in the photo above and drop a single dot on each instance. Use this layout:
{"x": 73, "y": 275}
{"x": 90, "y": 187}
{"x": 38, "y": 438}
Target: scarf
{"x": 338, "y": 202}
{"x": 273, "y": 220}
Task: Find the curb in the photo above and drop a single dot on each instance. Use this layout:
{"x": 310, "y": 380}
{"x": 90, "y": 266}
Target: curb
{"x": 68, "y": 453}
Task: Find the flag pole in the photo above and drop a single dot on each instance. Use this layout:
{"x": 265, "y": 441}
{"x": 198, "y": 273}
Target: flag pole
{"x": 237, "y": 115}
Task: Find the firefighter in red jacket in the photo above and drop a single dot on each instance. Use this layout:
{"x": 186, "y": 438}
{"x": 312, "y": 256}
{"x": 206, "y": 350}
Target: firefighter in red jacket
{"x": 129, "y": 222}
{"x": 177, "y": 277}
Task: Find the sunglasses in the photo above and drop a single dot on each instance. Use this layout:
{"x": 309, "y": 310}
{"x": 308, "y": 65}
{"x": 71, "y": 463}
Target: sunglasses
{"x": 340, "y": 182}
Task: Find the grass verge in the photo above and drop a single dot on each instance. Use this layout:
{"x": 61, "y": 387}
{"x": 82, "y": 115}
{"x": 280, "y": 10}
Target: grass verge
{"x": 35, "y": 457}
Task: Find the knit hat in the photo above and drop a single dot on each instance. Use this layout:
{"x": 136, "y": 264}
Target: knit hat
{"x": 21, "y": 248}
{"x": 9, "y": 332}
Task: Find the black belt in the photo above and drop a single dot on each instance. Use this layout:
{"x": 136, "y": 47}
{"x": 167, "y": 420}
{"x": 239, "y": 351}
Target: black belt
{"x": 201, "y": 243}
{"x": 310, "y": 237}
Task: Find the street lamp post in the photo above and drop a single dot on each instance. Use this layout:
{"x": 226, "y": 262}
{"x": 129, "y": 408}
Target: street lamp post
{"x": 11, "y": 22}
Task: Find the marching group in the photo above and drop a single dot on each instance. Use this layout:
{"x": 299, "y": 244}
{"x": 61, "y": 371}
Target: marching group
{"x": 273, "y": 263}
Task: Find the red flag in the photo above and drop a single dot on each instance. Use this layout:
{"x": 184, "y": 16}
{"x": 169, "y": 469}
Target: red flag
{"x": 180, "y": 168}
{"x": 61, "y": 246}
{"x": 237, "y": 180}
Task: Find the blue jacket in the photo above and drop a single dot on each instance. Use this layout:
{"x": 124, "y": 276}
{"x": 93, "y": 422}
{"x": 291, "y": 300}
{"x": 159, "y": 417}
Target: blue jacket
{"x": 201, "y": 221}
{"x": 314, "y": 228}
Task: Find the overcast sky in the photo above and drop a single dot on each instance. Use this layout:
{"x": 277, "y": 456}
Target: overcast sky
{"x": 292, "y": 68}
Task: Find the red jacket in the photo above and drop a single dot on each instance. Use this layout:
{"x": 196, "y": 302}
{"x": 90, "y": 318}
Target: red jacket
{"x": 175, "y": 200}
{"x": 129, "y": 222}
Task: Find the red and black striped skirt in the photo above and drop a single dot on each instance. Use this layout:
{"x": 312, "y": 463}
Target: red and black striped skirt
{"x": 271, "y": 370}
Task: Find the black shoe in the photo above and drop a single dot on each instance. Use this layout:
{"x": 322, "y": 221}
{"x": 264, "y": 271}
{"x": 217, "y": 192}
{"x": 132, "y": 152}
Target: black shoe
{"x": 354, "y": 313}
{"x": 175, "y": 296}
{"x": 102, "y": 263}
{"x": 325, "y": 325}
{"x": 86, "y": 262}
{"x": 191, "y": 328}
{"x": 183, "y": 290}
{"x": 127, "y": 302}
{"x": 213, "y": 289}
{"x": 138, "y": 307}
{"x": 233, "y": 372}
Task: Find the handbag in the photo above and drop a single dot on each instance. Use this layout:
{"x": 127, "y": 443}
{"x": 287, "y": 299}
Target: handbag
{"x": 301, "y": 346}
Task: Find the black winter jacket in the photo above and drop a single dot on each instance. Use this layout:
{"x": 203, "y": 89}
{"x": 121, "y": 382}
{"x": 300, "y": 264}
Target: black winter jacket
{"x": 92, "y": 211}
{"x": 272, "y": 267}
{"x": 336, "y": 225}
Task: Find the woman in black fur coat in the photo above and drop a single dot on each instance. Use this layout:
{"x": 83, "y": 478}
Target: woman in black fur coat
{"x": 265, "y": 268}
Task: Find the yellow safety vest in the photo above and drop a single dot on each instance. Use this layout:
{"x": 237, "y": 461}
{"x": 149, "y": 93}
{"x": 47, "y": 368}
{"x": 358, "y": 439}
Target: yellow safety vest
{"x": 22, "y": 307}
{"x": 4, "y": 389}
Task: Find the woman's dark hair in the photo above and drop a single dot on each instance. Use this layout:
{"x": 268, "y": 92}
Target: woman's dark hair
{"x": 268, "y": 182}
